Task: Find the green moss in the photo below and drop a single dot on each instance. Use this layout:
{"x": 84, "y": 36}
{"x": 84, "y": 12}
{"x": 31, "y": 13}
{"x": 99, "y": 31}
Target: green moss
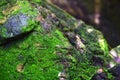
{"x": 65, "y": 19}
{"x": 82, "y": 67}
{"x": 37, "y": 1}
{"x": 41, "y": 52}
{"x": 94, "y": 40}
{"x": 38, "y": 52}
{"x": 31, "y": 25}
{"x": 25, "y": 8}
{"x": 1, "y": 15}
{"x": 4, "y": 2}
{"x": 3, "y": 31}
{"x": 82, "y": 71}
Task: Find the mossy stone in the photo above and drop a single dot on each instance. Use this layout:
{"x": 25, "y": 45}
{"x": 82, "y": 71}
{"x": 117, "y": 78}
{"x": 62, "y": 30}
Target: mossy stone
{"x": 19, "y": 19}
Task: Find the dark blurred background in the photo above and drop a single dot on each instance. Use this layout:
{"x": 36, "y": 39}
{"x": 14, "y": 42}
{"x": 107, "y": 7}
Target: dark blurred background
{"x": 103, "y": 14}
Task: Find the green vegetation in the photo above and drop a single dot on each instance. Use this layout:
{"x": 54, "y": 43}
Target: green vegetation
{"x": 94, "y": 41}
{"x": 41, "y": 55}
{"x": 38, "y": 53}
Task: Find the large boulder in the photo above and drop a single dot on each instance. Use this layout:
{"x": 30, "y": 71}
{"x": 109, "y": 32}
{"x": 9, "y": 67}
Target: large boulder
{"x": 55, "y": 46}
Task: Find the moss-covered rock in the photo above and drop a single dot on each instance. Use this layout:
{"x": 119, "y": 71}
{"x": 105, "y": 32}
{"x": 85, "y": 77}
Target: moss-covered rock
{"x": 19, "y": 19}
{"x": 54, "y": 43}
{"x": 93, "y": 40}
{"x": 37, "y": 54}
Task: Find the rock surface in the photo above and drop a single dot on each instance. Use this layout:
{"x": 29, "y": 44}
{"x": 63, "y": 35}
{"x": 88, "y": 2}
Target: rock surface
{"x": 14, "y": 25}
{"x": 57, "y": 43}
{"x": 96, "y": 12}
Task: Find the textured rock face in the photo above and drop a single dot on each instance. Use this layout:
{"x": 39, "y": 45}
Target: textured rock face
{"x": 14, "y": 25}
{"x": 104, "y": 13}
{"x": 58, "y": 43}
